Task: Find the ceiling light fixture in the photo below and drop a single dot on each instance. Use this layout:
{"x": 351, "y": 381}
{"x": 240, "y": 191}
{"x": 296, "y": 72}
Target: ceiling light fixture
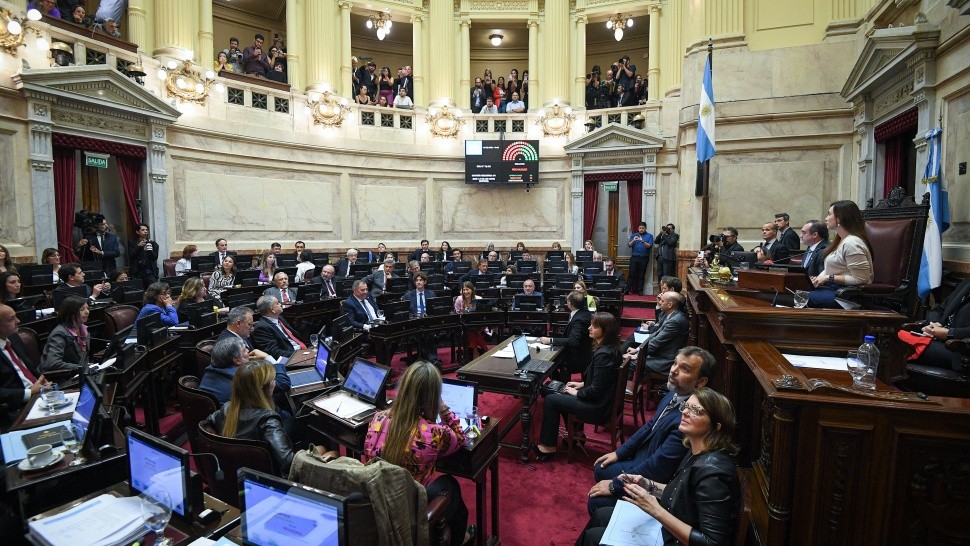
{"x": 496, "y": 39}
{"x": 382, "y": 22}
{"x": 617, "y": 22}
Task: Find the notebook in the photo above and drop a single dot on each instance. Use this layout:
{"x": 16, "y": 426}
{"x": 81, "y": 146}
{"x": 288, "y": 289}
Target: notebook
{"x": 318, "y": 374}
{"x": 360, "y": 394}
{"x": 524, "y": 360}
{"x": 277, "y": 511}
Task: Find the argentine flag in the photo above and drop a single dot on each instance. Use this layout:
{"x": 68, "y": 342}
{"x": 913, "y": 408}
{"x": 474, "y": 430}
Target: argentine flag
{"x": 705, "y": 120}
{"x": 931, "y": 265}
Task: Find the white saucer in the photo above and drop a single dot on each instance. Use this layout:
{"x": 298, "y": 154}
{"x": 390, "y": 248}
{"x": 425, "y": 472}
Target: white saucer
{"x": 65, "y": 402}
{"x": 27, "y": 467}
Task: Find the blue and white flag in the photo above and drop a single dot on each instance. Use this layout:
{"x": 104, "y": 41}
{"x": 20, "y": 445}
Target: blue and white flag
{"x": 931, "y": 265}
{"x": 705, "y": 119}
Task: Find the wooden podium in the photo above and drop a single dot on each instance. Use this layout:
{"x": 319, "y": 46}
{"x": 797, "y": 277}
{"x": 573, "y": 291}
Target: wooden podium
{"x": 772, "y": 281}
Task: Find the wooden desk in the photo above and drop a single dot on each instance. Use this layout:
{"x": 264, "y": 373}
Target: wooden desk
{"x": 385, "y": 336}
{"x": 493, "y": 374}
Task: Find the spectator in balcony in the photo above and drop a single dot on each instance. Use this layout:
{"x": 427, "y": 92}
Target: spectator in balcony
{"x": 608, "y": 97}
{"x": 624, "y": 72}
{"x": 250, "y": 51}
{"x": 275, "y": 57}
{"x": 281, "y": 50}
{"x": 515, "y": 106}
{"x": 488, "y": 87}
{"x": 402, "y": 100}
{"x": 592, "y": 93}
{"x": 407, "y": 81}
{"x": 386, "y": 85}
{"x": 255, "y": 64}
{"x": 66, "y": 7}
{"x": 489, "y": 107}
{"x": 46, "y": 7}
{"x": 477, "y": 99}
{"x": 514, "y": 84}
{"x": 524, "y": 91}
{"x": 640, "y": 90}
{"x": 382, "y": 101}
{"x": 111, "y": 9}
{"x": 355, "y": 72}
{"x": 362, "y": 96}
{"x": 498, "y": 93}
{"x": 278, "y": 74}
{"x": 222, "y": 63}
{"x": 369, "y": 79}
{"x": 627, "y": 96}
{"x": 110, "y": 27}
{"x": 79, "y": 17}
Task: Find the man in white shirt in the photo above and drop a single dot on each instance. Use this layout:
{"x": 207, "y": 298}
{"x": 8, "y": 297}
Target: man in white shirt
{"x": 489, "y": 107}
{"x": 19, "y": 379}
{"x": 516, "y": 106}
{"x": 402, "y": 100}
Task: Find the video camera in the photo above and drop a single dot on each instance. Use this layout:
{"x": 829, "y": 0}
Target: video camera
{"x": 87, "y": 221}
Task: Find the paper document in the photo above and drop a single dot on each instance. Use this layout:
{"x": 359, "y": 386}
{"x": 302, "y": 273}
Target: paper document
{"x": 631, "y": 526}
{"x": 342, "y": 405}
{"x": 640, "y": 337}
{"x": 39, "y": 409}
{"x": 506, "y": 352}
{"x": 836, "y": 363}
{"x": 105, "y": 519}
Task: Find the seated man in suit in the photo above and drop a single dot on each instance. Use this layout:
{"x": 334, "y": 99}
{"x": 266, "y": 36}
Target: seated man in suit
{"x": 227, "y": 356}
{"x": 815, "y": 235}
{"x": 667, "y": 284}
{"x": 456, "y": 257}
{"x": 482, "y": 269}
{"x": 418, "y": 298}
{"x": 378, "y": 279}
{"x": 72, "y": 276}
{"x": 19, "y": 378}
{"x": 239, "y": 325}
{"x": 222, "y": 250}
{"x": 425, "y": 247}
{"x": 360, "y": 307}
{"x": 655, "y": 450}
{"x": 771, "y": 249}
{"x": 669, "y": 335}
{"x": 610, "y": 270}
{"x": 272, "y": 333}
{"x": 578, "y": 347}
{"x": 343, "y": 266}
{"x": 529, "y": 289}
{"x": 281, "y": 289}
{"x": 328, "y": 290}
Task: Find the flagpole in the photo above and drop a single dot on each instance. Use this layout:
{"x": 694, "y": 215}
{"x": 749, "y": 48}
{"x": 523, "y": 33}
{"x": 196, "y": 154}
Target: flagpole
{"x": 703, "y": 181}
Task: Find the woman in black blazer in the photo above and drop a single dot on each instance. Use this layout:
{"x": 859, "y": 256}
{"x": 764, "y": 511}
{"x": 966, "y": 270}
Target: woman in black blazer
{"x": 591, "y": 400}
{"x": 69, "y": 339}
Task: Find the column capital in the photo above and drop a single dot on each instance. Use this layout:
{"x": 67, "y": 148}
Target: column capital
{"x": 417, "y": 18}
{"x": 581, "y": 19}
{"x": 654, "y": 9}
{"x": 464, "y": 23}
{"x": 345, "y": 4}
{"x": 533, "y": 23}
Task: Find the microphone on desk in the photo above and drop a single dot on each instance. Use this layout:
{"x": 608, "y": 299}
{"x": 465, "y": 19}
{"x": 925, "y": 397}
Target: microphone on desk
{"x": 789, "y": 258}
{"x": 219, "y": 474}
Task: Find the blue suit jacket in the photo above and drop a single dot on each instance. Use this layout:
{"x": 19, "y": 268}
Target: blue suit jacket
{"x": 412, "y": 296}
{"x": 356, "y": 313}
{"x": 218, "y": 381}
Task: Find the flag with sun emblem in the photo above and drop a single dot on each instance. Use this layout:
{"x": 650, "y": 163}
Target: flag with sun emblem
{"x": 931, "y": 265}
{"x": 705, "y": 120}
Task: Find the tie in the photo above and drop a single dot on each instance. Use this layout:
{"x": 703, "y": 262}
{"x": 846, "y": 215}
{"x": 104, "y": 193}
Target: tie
{"x": 670, "y": 406}
{"x": 295, "y": 340}
{"x": 367, "y": 309}
{"x": 285, "y": 295}
{"x": 420, "y": 303}
{"x": 807, "y": 258}
{"x": 330, "y": 288}
{"x": 19, "y": 363}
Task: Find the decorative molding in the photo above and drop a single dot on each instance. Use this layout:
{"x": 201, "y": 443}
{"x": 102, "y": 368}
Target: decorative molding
{"x": 891, "y": 99}
{"x": 41, "y": 165}
{"x": 499, "y": 5}
{"x": 101, "y": 124}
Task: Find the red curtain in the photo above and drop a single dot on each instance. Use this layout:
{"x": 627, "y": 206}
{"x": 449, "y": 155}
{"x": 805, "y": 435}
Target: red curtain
{"x": 130, "y": 169}
{"x": 98, "y": 145}
{"x": 895, "y": 152}
{"x": 634, "y": 196}
{"x": 65, "y": 185}
{"x": 590, "y": 198}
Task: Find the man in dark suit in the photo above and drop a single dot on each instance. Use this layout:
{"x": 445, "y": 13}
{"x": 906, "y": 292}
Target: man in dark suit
{"x": 425, "y": 247}
{"x": 360, "y": 307}
{"x": 669, "y": 336}
{"x": 281, "y": 289}
{"x": 19, "y": 378}
{"x": 770, "y": 248}
{"x": 610, "y": 270}
{"x": 272, "y": 333}
{"x": 378, "y": 279}
{"x": 227, "y": 356}
{"x": 72, "y": 276}
{"x": 949, "y": 320}
{"x": 418, "y": 298}
{"x": 655, "y": 450}
{"x": 529, "y": 289}
{"x": 786, "y": 234}
{"x": 815, "y": 235}
{"x": 239, "y": 325}
{"x": 328, "y": 290}
{"x": 472, "y": 273}
{"x": 343, "y": 266}
{"x": 222, "y": 250}
{"x": 578, "y": 347}
{"x": 101, "y": 246}
{"x": 452, "y": 265}
{"x": 666, "y": 245}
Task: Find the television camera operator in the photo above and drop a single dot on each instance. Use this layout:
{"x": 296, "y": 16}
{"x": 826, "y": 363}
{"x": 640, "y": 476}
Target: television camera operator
{"x": 96, "y": 243}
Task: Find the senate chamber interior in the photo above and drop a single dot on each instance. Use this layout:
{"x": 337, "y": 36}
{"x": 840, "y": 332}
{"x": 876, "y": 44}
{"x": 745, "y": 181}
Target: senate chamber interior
{"x": 575, "y": 262}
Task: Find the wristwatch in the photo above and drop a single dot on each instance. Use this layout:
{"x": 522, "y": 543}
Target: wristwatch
{"x": 832, "y": 278}
{"x": 612, "y": 488}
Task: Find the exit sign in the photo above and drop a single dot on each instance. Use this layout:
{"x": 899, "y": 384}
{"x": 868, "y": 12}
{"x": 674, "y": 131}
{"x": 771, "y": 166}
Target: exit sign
{"x": 99, "y": 161}
{"x": 611, "y": 186}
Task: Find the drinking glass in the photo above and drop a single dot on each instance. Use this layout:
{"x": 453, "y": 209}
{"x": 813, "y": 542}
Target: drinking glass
{"x": 48, "y": 393}
{"x": 801, "y": 299}
{"x": 156, "y": 508}
{"x": 72, "y": 443}
{"x": 857, "y": 368}
{"x": 314, "y": 340}
{"x": 473, "y": 424}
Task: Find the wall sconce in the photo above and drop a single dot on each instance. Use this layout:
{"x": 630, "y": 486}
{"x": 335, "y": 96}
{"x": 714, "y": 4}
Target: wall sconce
{"x": 616, "y": 23}
{"x": 445, "y": 121}
{"x": 13, "y": 30}
{"x": 638, "y": 121}
{"x": 382, "y": 22}
{"x": 496, "y": 39}
{"x": 327, "y": 108}
{"x": 185, "y": 82}
{"x": 62, "y": 53}
{"x": 590, "y": 125}
{"x": 556, "y": 120}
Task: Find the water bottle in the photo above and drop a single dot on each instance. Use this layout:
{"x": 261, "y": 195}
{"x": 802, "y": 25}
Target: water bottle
{"x": 869, "y": 355}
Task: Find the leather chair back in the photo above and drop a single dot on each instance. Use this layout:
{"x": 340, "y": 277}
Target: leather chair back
{"x": 233, "y": 454}
{"x": 893, "y": 240}
{"x": 203, "y": 356}
{"x": 196, "y": 405}
{"x": 31, "y": 343}
{"x": 119, "y": 317}
{"x": 168, "y": 267}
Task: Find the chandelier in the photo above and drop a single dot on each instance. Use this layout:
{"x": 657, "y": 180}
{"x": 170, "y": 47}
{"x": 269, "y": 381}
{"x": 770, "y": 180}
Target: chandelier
{"x": 382, "y": 22}
{"x": 13, "y": 30}
{"x": 617, "y": 22}
{"x": 185, "y": 81}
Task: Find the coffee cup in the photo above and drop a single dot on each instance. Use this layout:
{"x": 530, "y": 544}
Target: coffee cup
{"x": 40, "y": 455}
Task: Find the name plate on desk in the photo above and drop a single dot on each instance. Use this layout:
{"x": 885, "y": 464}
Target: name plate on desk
{"x": 772, "y": 281}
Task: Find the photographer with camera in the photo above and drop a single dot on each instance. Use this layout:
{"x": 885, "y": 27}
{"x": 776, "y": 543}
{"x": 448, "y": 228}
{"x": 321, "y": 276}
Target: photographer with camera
{"x": 639, "y": 243}
{"x": 96, "y": 243}
{"x": 624, "y": 72}
{"x": 143, "y": 255}
{"x": 667, "y": 251}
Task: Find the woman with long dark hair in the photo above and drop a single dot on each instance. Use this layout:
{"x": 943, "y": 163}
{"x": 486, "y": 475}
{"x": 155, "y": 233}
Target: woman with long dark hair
{"x": 10, "y": 286}
{"x": 466, "y": 303}
{"x": 158, "y": 299}
{"x": 848, "y": 260}
{"x": 52, "y": 258}
{"x": 409, "y": 436}
{"x": 6, "y": 264}
{"x": 68, "y": 341}
{"x": 589, "y": 400}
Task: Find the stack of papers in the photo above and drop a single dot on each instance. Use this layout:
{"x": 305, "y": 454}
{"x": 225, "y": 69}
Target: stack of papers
{"x": 105, "y": 520}
{"x": 631, "y": 526}
{"x": 342, "y": 405}
{"x": 506, "y": 352}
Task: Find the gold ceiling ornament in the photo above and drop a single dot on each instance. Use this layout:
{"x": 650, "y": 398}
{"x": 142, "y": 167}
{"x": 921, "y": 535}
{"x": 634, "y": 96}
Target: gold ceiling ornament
{"x": 186, "y": 82}
{"x": 380, "y": 21}
{"x": 327, "y": 108}
{"x": 13, "y": 30}
{"x": 556, "y": 119}
{"x": 616, "y": 24}
{"x": 445, "y": 120}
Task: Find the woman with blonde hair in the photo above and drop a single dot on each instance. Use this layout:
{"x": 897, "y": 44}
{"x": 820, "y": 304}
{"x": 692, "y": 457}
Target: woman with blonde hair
{"x": 267, "y": 267}
{"x": 591, "y": 301}
{"x": 409, "y": 436}
{"x": 194, "y": 291}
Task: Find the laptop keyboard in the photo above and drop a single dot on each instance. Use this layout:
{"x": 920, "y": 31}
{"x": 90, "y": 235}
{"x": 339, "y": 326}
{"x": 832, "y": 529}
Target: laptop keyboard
{"x": 299, "y": 379}
{"x": 537, "y": 366}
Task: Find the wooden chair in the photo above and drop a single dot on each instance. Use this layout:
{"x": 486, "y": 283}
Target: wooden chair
{"x": 744, "y": 511}
{"x": 195, "y": 405}
{"x": 203, "y": 356}
{"x": 31, "y": 343}
{"x": 118, "y": 317}
{"x": 613, "y": 422}
{"x": 232, "y": 454}
{"x": 635, "y": 395}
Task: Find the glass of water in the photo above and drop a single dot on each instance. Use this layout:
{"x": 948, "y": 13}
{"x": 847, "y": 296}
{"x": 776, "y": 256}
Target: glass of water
{"x": 156, "y": 508}
{"x": 49, "y": 394}
{"x": 801, "y": 299}
{"x": 314, "y": 340}
{"x": 72, "y": 443}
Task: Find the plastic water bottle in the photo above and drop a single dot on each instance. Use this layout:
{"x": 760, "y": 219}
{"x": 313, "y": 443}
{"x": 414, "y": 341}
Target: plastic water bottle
{"x": 869, "y": 355}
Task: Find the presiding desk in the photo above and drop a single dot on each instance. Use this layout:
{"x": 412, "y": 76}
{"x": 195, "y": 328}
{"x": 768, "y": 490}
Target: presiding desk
{"x": 493, "y": 374}
{"x": 830, "y": 464}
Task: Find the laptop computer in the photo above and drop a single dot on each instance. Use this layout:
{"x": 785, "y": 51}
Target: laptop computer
{"x": 319, "y": 374}
{"x": 277, "y": 511}
{"x": 460, "y": 396}
{"x": 360, "y": 394}
{"x": 524, "y": 360}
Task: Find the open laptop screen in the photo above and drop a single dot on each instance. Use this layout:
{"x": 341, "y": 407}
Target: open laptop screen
{"x": 460, "y": 396}
{"x": 366, "y": 379}
{"x": 521, "y": 348}
{"x": 277, "y": 511}
{"x": 155, "y": 465}
{"x": 87, "y": 406}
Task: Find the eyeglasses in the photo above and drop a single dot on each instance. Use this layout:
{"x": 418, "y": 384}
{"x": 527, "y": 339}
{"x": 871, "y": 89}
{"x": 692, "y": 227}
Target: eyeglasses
{"x": 691, "y": 409}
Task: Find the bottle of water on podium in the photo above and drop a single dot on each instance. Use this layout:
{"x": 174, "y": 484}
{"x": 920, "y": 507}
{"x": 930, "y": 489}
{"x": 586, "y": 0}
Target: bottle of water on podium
{"x": 869, "y": 355}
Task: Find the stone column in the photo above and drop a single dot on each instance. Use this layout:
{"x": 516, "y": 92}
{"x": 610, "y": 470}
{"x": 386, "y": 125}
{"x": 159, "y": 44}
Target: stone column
{"x": 295, "y": 69}
{"x": 138, "y": 16}
{"x": 41, "y": 163}
{"x": 579, "y": 66}
{"x": 441, "y": 80}
{"x": 649, "y": 207}
{"x": 204, "y": 53}
{"x": 555, "y": 62}
{"x": 866, "y": 142}
{"x": 174, "y": 32}
{"x": 653, "y": 55}
{"x": 322, "y": 45}
{"x": 925, "y": 100}
{"x": 534, "y": 89}
{"x": 345, "y": 54}
{"x": 418, "y": 66}
{"x": 153, "y": 187}
{"x": 463, "y": 100}
{"x": 672, "y": 59}
{"x": 578, "y": 186}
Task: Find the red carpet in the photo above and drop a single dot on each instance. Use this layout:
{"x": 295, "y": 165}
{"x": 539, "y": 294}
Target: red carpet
{"x": 642, "y": 313}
